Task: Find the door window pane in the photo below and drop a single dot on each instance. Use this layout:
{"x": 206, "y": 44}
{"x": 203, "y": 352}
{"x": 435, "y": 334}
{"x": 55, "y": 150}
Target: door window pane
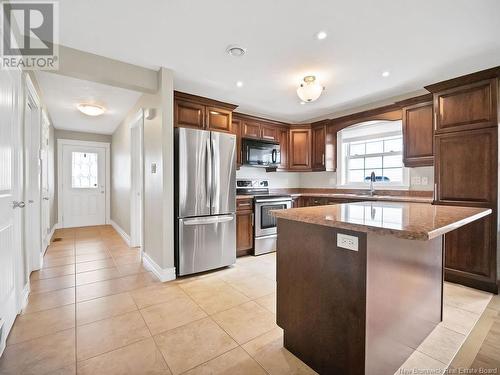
{"x": 84, "y": 170}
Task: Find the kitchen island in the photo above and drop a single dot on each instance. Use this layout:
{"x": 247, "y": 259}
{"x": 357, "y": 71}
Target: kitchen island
{"x": 360, "y": 285}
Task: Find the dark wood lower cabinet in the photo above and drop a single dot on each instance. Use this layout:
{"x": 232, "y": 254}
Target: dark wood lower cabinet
{"x": 244, "y": 227}
{"x": 471, "y": 253}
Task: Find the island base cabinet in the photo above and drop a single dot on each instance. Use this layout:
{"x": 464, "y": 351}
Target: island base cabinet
{"x": 342, "y": 311}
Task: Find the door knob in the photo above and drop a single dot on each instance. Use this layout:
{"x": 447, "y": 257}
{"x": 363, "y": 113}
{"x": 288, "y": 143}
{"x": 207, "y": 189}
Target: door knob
{"x": 20, "y": 204}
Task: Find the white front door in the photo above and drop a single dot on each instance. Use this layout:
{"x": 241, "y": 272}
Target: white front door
{"x": 83, "y": 185}
{"x": 10, "y": 195}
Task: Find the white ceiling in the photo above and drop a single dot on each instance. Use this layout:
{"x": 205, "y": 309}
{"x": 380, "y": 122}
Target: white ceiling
{"x": 61, "y": 94}
{"x": 419, "y": 42}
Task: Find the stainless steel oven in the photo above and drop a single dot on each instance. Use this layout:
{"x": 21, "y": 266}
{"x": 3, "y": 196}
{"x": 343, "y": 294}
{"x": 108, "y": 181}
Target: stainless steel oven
{"x": 265, "y": 223}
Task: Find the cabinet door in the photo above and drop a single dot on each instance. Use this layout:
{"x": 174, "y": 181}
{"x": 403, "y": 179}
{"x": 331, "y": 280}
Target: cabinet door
{"x": 300, "y": 149}
{"x": 318, "y": 148}
{"x": 236, "y": 129}
{"x": 466, "y": 107}
{"x": 189, "y": 114}
{"x": 418, "y": 135}
{"x": 283, "y": 141}
{"x": 218, "y": 119}
{"x": 470, "y": 253}
{"x": 244, "y": 230}
{"x": 269, "y": 133}
{"x": 250, "y": 129}
{"x": 466, "y": 167}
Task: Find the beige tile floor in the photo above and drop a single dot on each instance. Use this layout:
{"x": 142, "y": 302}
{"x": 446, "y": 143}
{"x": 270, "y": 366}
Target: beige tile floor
{"x": 95, "y": 310}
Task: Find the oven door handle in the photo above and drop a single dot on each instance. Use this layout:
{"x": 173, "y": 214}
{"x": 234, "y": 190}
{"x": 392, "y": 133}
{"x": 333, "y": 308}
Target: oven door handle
{"x": 284, "y": 200}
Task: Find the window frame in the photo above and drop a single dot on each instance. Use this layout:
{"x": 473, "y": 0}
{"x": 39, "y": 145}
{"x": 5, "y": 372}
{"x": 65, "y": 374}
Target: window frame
{"x": 343, "y": 157}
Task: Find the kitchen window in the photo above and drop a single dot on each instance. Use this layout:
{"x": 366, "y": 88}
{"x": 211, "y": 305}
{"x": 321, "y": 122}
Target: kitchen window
{"x": 375, "y": 147}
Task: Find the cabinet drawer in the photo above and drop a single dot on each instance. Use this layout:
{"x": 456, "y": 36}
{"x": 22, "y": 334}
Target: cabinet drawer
{"x": 244, "y": 204}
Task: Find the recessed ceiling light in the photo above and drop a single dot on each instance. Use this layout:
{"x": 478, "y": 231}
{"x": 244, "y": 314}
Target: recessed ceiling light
{"x": 239, "y": 84}
{"x": 91, "y": 109}
{"x": 321, "y": 35}
{"x": 236, "y": 51}
{"x": 386, "y": 73}
{"x": 302, "y": 103}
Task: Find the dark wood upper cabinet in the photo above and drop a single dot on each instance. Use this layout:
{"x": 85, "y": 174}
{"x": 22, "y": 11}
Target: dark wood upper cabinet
{"x": 300, "y": 149}
{"x": 418, "y": 135}
{"x": 269, "y": 133}
{"x": 284, "y": 147}
{"x": 318, "y": 147}
{"x": 331, "y": 149}
{"x": 189, "y": 114}
{"x": 466, "y": 167}
{"x": 236, "y": 129}
{"x": 218, "y": 119}
{"x": 250, "y": 129}
{"x": 470, "y": 106}
{"x": 191, "y": 111}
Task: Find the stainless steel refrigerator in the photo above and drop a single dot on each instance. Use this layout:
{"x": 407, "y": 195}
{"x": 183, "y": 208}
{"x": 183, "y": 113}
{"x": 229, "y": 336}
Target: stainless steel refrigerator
{"x": 205, "y": 200}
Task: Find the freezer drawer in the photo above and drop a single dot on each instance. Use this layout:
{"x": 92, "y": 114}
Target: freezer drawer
{"x": 206, "y": 243}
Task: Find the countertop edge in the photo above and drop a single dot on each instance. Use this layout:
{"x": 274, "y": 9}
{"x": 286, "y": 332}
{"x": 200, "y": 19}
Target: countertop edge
{"x": 448, "y": 228}
{"x": 398, "y": 233}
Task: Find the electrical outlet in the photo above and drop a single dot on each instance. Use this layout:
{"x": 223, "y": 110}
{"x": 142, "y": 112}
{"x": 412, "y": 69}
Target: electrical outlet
{"x": 416, "y": 180}
{"x": 347, "y": 242}
{"x": 425, "y": 181}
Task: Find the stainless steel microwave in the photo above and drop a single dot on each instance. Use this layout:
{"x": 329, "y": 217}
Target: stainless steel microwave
{"x": 260, "y": 153}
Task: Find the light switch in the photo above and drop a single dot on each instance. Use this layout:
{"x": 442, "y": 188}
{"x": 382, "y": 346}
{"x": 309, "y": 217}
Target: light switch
{"x": 425, "y": 181}
{"x": 153, "y": 167}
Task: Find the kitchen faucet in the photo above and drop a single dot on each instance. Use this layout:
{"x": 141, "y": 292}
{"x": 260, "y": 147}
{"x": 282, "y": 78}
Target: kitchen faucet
{"x": 372, "y": 180}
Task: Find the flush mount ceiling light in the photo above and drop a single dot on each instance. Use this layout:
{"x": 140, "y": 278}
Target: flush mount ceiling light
{"x": 91, "y": 109}
{"x": 239, "y": 84}
{"x": 236, "y": 51}
{"x": 321, "y": 35}
{"x": 310, "y": 89}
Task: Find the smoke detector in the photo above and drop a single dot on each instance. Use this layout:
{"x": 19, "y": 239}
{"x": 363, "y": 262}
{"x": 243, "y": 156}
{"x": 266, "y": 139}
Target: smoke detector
{"x": 235, "y": 50}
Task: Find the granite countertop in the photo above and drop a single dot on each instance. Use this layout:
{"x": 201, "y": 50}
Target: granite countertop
{"x": 415, "y": 221}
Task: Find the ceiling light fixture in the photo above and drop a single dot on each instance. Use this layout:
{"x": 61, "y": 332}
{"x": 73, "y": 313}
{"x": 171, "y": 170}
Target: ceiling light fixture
{"x": 91, "y": 109}
{"x": 386, "y": 74}
{"x": 239, "y": 84}
{"x": 310, "y": 89}
{"x": 321, "y": 35}
{"x": 236, "y": 51}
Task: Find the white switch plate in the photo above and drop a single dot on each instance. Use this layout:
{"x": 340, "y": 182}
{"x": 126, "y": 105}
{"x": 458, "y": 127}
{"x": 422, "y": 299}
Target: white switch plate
{"x": 425, "y": 181}
{"x": 415, "y": 180}
{"x": 347, "y": 242}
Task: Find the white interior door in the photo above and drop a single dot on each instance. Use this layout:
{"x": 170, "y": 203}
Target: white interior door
{"x": 44, "y": 154}
{"x": 10, "y": 191}
{"x": 83, "y": 185}
{"x": 137, "y": 183}
{"x": 32, "y": 180}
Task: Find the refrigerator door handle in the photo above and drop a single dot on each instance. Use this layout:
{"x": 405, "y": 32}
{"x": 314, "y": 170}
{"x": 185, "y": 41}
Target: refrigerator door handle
{"x": 215, "y": 174}
{"x": 208, "y": 220}
{"x": 208, "y": 173}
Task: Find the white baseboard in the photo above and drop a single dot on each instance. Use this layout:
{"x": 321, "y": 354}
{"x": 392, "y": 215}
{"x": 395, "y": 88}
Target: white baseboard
{"x": 167, "y": 274}
{"x": 121, "y": 232}
{"x": 24, "y": 296}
